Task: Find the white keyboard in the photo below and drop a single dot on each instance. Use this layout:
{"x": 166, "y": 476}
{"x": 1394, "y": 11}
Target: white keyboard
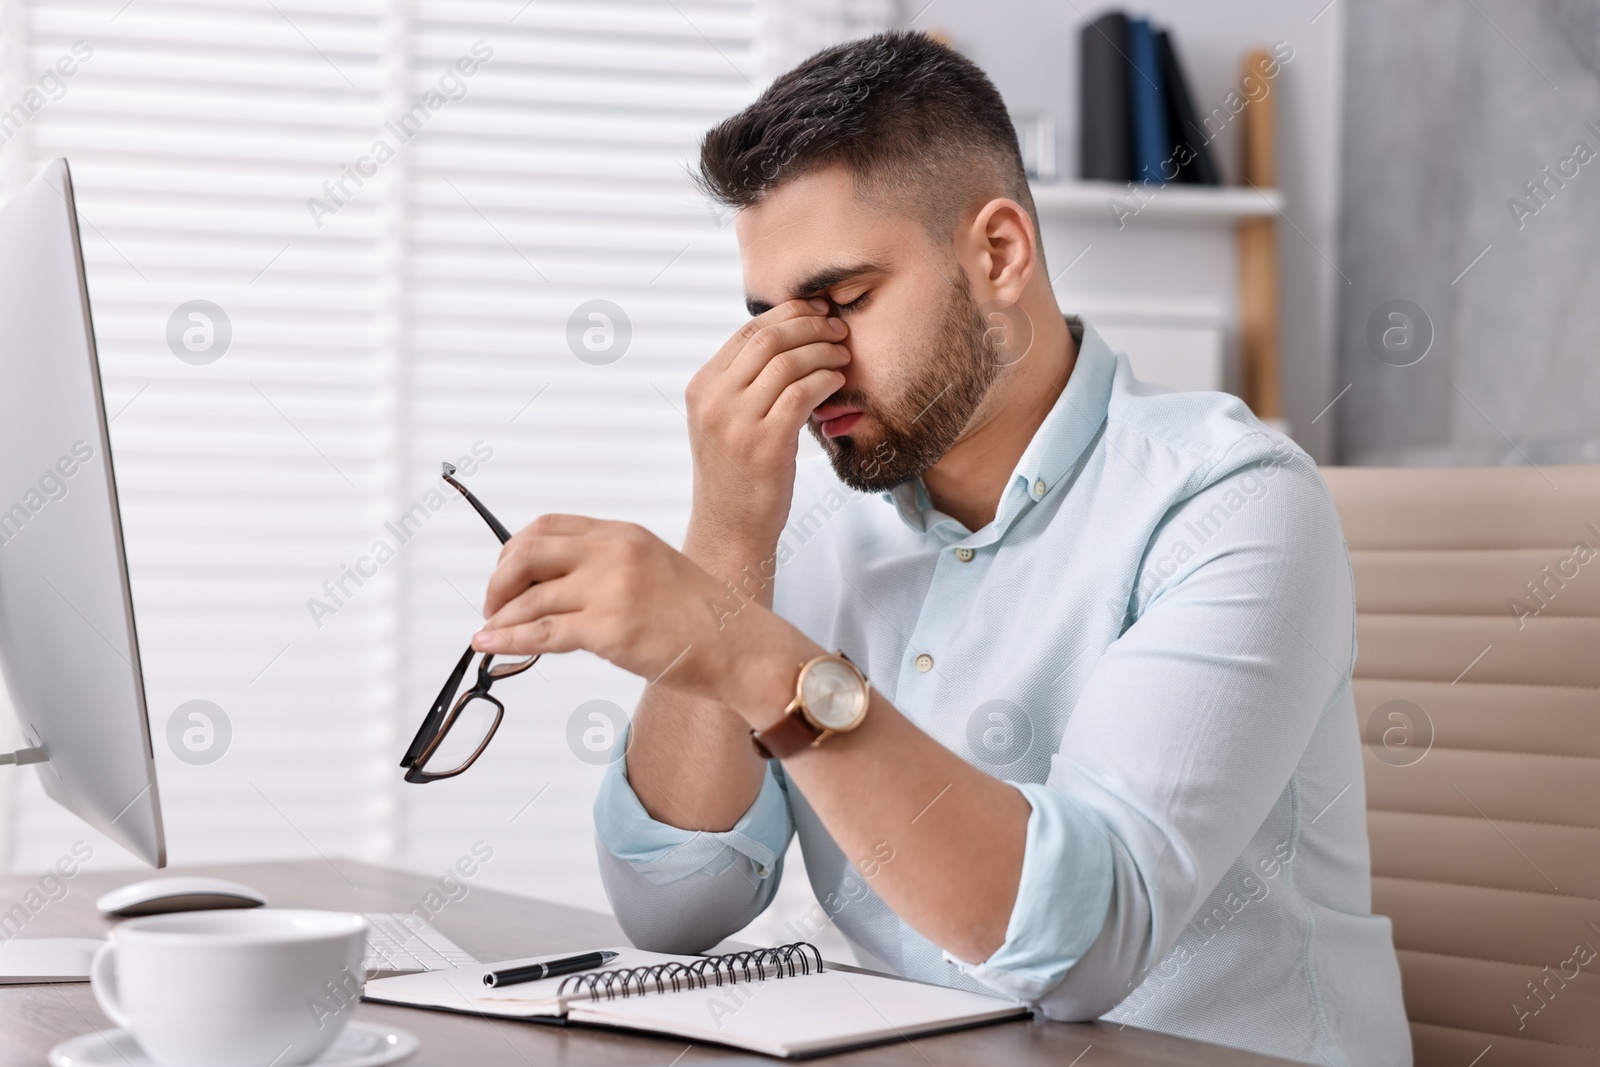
{"x": 401, "y": 943}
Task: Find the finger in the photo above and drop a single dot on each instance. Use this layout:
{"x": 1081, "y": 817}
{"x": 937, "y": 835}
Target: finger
{"x": 532, "y": 559}
{"x": 556, "y": 523}
{"x": 794, "y": 405}
{"x": 548, "y": 633}
{"x": 553, "y": 597}
{"x": 789, "y": 309}
{"x": 770, "y": 341}
{"x": 788, "y": 367}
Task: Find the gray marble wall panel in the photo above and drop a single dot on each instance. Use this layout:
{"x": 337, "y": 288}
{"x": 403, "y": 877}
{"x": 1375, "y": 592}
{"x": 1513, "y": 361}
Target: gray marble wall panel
{"x": 1452, "y": 108}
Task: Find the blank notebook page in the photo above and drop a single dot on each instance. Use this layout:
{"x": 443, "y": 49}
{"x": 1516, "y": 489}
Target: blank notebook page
{"x": 800, "y": 1016}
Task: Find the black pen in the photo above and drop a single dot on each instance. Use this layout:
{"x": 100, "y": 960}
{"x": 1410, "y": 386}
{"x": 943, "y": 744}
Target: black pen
{"x": 535, "y": 971}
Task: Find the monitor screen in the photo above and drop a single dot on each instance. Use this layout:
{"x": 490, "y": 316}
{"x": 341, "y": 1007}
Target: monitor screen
{"x": 68, "y": 648}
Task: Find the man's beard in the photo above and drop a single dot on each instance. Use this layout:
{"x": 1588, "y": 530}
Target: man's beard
{"x": 919, "y": 427}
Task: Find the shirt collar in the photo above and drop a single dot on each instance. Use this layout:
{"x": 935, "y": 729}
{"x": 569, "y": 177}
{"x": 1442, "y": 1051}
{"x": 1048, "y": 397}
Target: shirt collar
{"x": 1054, "y": 451}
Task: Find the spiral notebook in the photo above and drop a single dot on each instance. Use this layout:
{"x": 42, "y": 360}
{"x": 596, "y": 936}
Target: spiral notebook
{"x": 780, "y": 1001}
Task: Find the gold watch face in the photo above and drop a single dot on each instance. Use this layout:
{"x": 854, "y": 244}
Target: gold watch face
{"x": 834, "y": 696}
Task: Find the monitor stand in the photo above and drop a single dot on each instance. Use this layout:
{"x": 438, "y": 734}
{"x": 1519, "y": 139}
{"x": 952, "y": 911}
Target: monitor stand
{"x": 27, "y": 960}
{"x": 30, "y": 960}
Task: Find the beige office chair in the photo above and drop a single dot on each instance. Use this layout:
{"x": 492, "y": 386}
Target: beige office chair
{"x": 1478, "y": 693}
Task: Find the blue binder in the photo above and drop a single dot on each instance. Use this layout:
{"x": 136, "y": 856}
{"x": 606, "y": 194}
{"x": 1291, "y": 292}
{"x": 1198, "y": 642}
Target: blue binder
{"x": 1152, "y": 147}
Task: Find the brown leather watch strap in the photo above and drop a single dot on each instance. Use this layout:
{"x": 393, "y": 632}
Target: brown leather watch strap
{"x": 785, "y": 737}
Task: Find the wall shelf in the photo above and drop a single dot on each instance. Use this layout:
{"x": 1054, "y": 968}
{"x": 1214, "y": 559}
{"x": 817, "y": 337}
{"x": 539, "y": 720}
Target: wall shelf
{"x": 1080, "y": 201}
{"x": 1160, "y": 282}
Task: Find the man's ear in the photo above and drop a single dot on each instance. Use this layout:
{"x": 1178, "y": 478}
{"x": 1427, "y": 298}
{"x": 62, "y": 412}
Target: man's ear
{"x": 1007, "y": 251}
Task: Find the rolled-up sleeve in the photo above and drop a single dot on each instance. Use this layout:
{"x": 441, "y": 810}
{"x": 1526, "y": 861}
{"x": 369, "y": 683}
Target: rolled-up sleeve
{"x": 1068, "y": 858}
{"x": 676, "y": 890}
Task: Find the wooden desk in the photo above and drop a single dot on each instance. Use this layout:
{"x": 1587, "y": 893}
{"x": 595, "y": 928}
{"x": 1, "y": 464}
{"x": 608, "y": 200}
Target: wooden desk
{"x": 501, "y": 926}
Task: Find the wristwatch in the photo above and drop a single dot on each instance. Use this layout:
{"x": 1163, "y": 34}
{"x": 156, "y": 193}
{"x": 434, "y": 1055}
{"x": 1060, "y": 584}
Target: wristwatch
{"x": 831, "y": 697}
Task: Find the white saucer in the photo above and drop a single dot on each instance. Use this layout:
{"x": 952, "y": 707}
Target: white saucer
{"x": 361, "y": 1045}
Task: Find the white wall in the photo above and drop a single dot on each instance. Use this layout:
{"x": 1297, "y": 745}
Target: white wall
{"x": 1030, "y": 49}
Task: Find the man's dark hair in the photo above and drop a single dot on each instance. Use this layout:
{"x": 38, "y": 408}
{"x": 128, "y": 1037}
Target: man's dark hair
{"x": 915, "y": 121}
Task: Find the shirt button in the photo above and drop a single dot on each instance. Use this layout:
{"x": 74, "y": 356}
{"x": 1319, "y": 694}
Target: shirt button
{"x": 762, "y": 870}
{"x": 964, "y": 554}
{"x": 924, "y": 663}
{"x": 1039, "y": 487}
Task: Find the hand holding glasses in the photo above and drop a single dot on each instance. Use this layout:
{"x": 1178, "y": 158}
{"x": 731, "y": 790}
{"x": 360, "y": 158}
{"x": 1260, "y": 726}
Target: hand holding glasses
{"x": 458, "y": 729}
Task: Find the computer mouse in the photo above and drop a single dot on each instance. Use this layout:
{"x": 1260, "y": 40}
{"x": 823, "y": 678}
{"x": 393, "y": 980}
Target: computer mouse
{"x": 183, "y": 893}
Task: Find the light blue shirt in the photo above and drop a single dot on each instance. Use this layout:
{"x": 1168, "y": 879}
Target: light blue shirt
{"x": 1153, "y": 640}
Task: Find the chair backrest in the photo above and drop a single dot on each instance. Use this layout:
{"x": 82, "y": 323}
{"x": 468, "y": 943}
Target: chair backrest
{"x": 1478, "y": 694}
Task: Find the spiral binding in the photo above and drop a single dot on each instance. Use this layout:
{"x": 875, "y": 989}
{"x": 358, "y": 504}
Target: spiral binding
{"x": 754, "y": 965}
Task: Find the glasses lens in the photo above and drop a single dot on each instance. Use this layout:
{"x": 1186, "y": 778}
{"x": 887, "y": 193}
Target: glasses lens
{"x": 473, "y": 724}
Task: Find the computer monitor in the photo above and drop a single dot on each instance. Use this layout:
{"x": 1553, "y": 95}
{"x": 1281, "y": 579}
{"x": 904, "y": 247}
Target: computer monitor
{"x": 68, "y": 647}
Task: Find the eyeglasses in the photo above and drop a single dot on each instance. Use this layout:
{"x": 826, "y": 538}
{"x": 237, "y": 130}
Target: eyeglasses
{"x": 458, "y": 729}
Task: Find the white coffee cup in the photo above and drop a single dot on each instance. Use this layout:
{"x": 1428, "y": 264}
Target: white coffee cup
{"x": 233, "y": 988}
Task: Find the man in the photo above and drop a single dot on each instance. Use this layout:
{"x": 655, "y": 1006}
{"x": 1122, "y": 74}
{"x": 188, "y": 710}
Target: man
{"x": 1108, "y": 763}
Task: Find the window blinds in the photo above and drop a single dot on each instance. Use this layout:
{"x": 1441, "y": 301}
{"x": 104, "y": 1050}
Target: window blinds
{"x": 405, "y": 218}
{"x": 556, "y": 182}
{"x": 195, "y": 133}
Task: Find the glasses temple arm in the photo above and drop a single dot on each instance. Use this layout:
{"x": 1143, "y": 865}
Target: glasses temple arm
{"x": 440, "y": 704}
{"x": 494, "y": 524}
